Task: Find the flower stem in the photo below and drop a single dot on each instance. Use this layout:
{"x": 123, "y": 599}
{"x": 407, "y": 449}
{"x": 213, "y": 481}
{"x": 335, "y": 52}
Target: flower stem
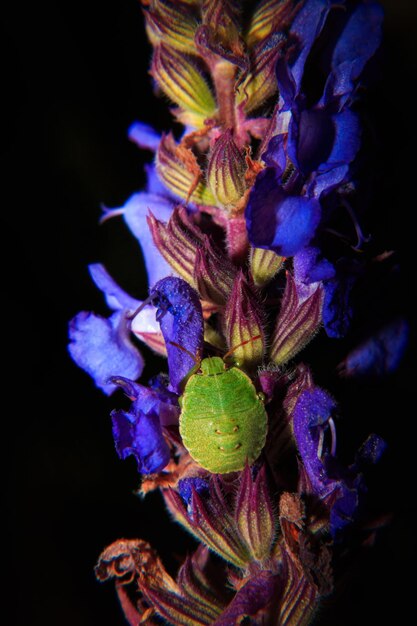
{"x": 224, "y": 79}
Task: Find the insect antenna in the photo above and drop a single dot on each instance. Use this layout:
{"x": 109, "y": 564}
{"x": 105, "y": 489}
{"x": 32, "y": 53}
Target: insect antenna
{"x": 239, "y": 345}
{"x": 196, "y": 359}
{"x": 148, "y": 300}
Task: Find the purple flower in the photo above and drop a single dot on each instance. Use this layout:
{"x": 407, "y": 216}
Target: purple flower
{"x": 322, "y": 137}
{"x": 180, "y": 316}
{"x": 103, "y": 347}
{"x": 312, "y": 416}
{"x": 138, "y": 431}
{"x": 343, "y": 487}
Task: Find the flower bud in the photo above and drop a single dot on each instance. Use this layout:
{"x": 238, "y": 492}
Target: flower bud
{"x": 243, "y": 321}
{"x": 264, "y": 264}
{"x": 226, "y": 171}
{"x": 179, "y": 178}
{"x": 170, "y": 23}
{"x": 269, "y": 16}
{"x": 297, "y": 323}
{"x": 183, "y": 84}
{"x": 254, "y": 514}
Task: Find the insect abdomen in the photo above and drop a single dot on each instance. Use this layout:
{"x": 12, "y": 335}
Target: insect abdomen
{"x": 223, "y": 422}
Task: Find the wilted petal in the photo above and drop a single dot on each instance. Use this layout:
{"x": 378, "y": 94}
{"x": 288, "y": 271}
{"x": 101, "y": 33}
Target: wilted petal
{"x": 103, "y": 349}
{"x": 254, "y": 596}
{"x": 181, "y": 320}
{"x": 144, "y": 136}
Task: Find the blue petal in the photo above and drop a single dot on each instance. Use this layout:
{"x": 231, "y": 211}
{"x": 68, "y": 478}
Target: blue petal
{"x": 313, "y": 409}
{"x": 337, "y": 307}
{"x": 357, "y": 43}
{"x": 319, "y": 141}
{"x": 181, "y": 319}
{"x": 116, "y": 298}
{"x": 345, "y": 509}
{"x": 186, "y": 486}
{"x": 135, "y": 212}
{"x": 144, "y": 136}
{"x": 275, "y": 155}
{"x": 102, "y": 348}
{"x": 277, "y": 221}
{"x": 297, "y": 219}
{"x": 138, "y": 431}
{"x": 380, "y": 354}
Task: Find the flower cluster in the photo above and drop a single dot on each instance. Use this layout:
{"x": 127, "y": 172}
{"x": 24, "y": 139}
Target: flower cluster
{"x": 234, "y": 226}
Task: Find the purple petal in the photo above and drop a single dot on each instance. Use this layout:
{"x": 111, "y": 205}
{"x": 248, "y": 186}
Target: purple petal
{"x": 345, "y": 509}
{"x": 102, "y": 348}
{"x": 326, "y": 182}
{"x": 139, "y": 434}
{"x": 357, "y": 43}
{"x": 144, "y": 136}
{"x": 154, "y": 185}
{"x": 310, "y": 269}
{"x": 313, "y": 410}
{"x": 181, "y": 319}
{"x": 116, "y": 298}
{"x": 381, "y": 353}
{"x": 135, "y": 212}
{"x": 277, "y": 221}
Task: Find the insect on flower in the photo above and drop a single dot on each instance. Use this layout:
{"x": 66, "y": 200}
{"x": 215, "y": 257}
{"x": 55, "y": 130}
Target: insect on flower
{"x": 223, "y": 422}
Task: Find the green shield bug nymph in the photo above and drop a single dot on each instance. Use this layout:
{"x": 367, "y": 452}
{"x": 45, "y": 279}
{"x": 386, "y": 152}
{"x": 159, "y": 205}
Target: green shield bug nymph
{"x": 223, "y": 422}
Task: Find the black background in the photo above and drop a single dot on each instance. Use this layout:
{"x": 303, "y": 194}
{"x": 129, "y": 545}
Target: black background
{"x": 74, "y": 77}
